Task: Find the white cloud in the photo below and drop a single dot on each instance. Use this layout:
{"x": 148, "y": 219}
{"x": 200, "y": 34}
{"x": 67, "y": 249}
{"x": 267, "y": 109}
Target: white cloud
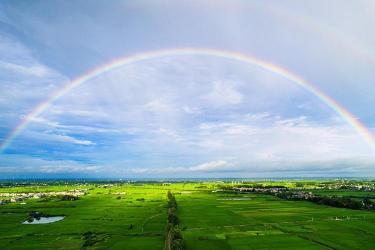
{"x": 24, "y": 80}
{"x": 158, "y": 106}
{"x": 53, "y": 168}
{"x": 14, "y": 164}
{"x": 70, "y": 139}
{"x": 207, "y": 167}
{"x": 37, "y": 70}
{"x": 280, "y": 139}
{"x": 211, "y": 166}
{"x": 337, "y": 167}
{"x": 191, "y": 110}
{"x": 50, "y": 136}
{"x": 49, "y": 169}
{"x": 79, "y": 112}
{"x": 224, "y": 93}
{"x": 210, "y": 123}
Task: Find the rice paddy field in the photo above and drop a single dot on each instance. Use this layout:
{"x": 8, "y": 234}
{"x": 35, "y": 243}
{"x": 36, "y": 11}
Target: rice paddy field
{"x": 134, "y": 216}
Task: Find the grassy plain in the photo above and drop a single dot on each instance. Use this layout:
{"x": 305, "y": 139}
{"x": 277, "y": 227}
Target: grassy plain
{"x": 254, "y": 221}
{"x": 133, "y": 216}
{"x": 100, "y": 211}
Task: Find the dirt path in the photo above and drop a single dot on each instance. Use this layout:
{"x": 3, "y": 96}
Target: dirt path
{"x": 148, "y": 219}
{"x": 283, "y": 222}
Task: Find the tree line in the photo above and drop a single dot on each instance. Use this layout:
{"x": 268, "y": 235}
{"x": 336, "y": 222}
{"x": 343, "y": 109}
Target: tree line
{"x": 333, "y": 201}
{"x": 173, "y": 235}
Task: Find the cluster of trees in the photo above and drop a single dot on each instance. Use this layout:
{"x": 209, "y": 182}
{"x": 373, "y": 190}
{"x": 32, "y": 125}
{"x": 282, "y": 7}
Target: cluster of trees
{"x": 3, "y": 202}
{"x": 333, "y": 201}
{"x": 89, "y": 239}
{"x": 344, "y": 202}
{"x": 36, "y": 215}
{"x": 67, "y": 197}
{"x": 173, "y": 235}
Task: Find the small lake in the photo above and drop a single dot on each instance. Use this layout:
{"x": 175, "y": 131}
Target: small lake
{"x": 44, "y": 220}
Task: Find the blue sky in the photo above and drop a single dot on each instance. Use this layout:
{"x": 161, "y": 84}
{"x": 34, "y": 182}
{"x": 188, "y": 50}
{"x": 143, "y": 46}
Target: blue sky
{"x": 186, "y": 116}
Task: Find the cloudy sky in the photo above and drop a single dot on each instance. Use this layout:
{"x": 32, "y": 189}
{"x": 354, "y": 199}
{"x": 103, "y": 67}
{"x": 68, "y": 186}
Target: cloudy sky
{"x": 186, "y": 115}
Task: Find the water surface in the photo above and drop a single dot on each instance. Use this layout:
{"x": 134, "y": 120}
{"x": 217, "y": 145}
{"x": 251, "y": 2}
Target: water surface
{"x": 44, "y": 220}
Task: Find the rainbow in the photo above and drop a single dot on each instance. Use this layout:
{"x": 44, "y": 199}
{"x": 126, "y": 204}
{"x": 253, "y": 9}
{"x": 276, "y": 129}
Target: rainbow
{"x": 339, "y": 109}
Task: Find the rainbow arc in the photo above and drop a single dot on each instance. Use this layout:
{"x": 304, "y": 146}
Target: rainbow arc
{"x": 360, "y": 128}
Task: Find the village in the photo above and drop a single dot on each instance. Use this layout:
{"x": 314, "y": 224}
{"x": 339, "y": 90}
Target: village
{"x": 6, "y": 198}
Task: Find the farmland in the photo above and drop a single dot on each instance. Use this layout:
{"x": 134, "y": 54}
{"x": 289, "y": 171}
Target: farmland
{"x": 124, "y": 215}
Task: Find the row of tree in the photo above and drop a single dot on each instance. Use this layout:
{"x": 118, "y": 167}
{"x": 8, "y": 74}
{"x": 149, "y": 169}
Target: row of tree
{"x": 173, "y": 235}
{"x": 333, "y": 201}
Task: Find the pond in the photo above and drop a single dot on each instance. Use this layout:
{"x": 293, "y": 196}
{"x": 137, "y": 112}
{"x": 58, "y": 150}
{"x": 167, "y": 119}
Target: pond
{"x": 44, "y": 220}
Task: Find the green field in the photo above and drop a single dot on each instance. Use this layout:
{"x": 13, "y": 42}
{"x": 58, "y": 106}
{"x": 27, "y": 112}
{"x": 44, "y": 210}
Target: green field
{"x": 133, "y": 216}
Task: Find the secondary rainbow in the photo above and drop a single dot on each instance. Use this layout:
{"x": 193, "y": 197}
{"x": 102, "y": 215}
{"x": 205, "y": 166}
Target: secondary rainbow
{"x": 339, "y": 109}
